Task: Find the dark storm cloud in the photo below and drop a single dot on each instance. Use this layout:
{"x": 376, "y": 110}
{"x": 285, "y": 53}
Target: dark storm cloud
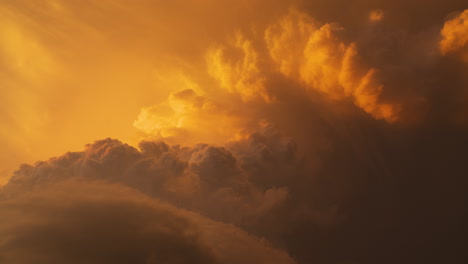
{"x": 98, "y": 224}
{"x": 380, "y": 188}
{"x": 94, "y": 222}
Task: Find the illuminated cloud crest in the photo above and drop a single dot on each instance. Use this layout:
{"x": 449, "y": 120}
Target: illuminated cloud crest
{"x": 315, "y": 55}
{"x": 310, "y": 55}
{"x": 186, "y": 117}
{"x": 455, "y": 36}
{"x": 241, "y": 74}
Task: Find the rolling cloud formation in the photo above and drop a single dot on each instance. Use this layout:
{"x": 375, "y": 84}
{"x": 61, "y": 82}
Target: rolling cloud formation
{"x": 317, "y": 132}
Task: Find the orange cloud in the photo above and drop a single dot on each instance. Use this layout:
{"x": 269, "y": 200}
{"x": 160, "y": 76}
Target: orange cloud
{"x": 316, "y": 56}
{"x": 455, "y": 35}
{"x": 376, "y": 15}
{"x": 118, "y": 225}
{"x": 310, "y": 54}
{"x": 272, "y": 129}
{"x": 236, "y": 67}
{"x": 190, "y": 118}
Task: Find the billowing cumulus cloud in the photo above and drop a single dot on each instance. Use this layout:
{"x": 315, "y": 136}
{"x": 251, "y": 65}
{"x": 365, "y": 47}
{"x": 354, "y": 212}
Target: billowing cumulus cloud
{"x": 323, "y": 131}
{"x": 205, "y": 177}
{"x": 310, "y": 58}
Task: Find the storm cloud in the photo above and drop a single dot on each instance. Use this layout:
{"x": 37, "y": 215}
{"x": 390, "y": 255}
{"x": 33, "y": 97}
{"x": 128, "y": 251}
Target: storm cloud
{"x": 235, "y": 132}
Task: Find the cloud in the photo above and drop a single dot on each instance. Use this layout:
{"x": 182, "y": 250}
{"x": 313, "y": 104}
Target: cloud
{"x": 376, "y": 15}
{"x": 241, "y": 74}
{"x": 347, "y": 200}
{"x": 205, "y": 177}
{"x": 455, "y": 35}
{"x": 188, "y": 117}
{"x": 335, "y": 138}
{"x": 314, "y": 54}
{"x": 94, "y": 222}
{"x": 346, "y": 196}
{"x": 247, "y": 67}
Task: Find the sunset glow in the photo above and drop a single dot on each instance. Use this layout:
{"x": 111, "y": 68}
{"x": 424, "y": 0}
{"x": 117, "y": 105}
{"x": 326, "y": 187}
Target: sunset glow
{"x": 233, "y": 131}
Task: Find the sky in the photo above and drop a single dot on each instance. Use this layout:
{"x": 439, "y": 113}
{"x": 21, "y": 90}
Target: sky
{"x": 233, "y": 131}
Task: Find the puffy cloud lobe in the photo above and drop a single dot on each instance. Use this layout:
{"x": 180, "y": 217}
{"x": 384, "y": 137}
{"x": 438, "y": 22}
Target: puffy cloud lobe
{"x": 171, "y": 118}
{"x": 455, "y": 35}
{"x": 95, "y": 222}
{"x": 188, "y": 118}
{"x": 242, "y": 73}
{"x": 315, "y": 55}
